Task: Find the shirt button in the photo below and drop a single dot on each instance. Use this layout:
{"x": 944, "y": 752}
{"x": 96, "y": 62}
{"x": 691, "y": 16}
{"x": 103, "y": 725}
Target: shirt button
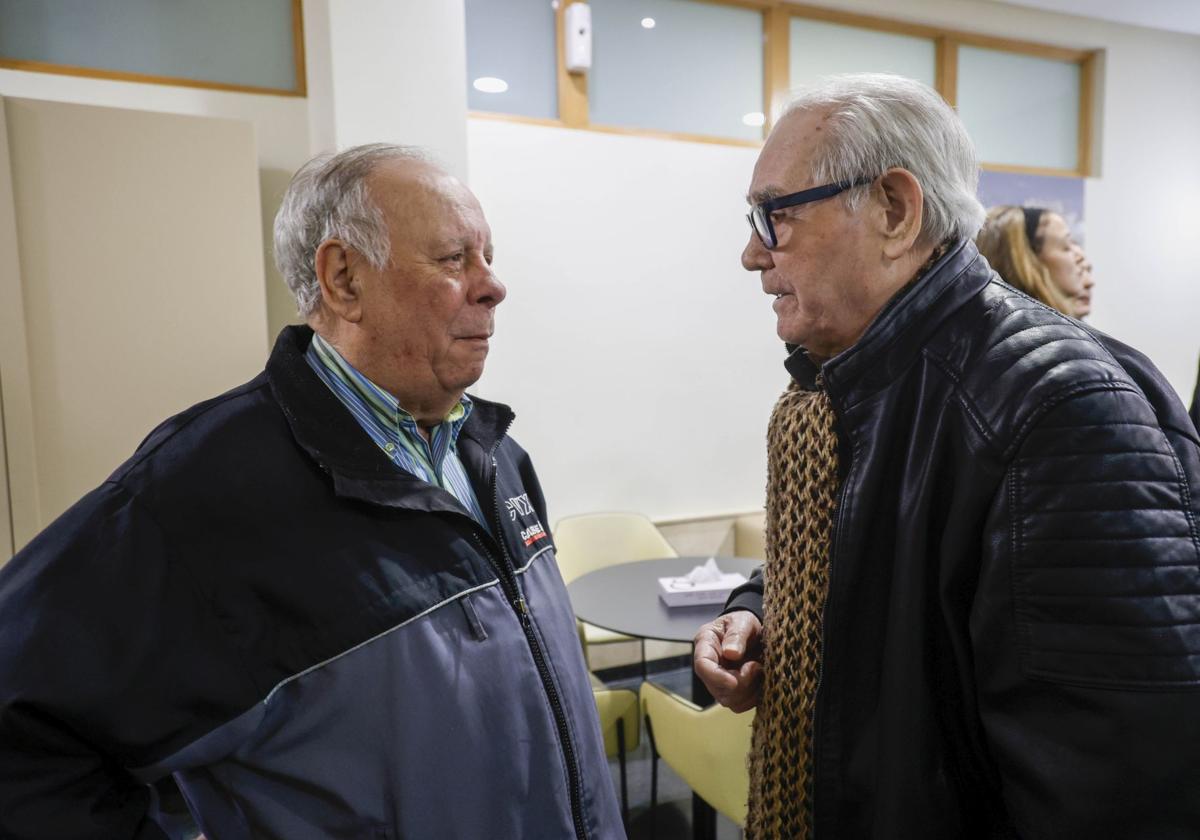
{"x": 390, "y": 447}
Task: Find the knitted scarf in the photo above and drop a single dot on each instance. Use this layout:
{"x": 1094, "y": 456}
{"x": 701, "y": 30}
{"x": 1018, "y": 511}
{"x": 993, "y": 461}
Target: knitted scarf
{"x": 801, "y": 489}
{"x": 802, "y": 486}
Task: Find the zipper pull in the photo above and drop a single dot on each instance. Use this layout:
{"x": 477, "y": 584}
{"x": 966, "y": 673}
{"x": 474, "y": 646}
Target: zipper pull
{"x": 521, "y": 607}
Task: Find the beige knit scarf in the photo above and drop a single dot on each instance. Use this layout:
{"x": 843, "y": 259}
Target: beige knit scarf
{"x": 801, "y": 489}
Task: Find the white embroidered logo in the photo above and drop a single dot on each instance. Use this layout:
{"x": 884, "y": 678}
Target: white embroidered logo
{"x": 518, "y": 504}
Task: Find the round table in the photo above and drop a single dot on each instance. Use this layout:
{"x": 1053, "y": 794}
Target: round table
{"x": 624, "y": 598}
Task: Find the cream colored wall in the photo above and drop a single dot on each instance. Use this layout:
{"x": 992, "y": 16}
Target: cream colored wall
{"x": 140, "y": 282}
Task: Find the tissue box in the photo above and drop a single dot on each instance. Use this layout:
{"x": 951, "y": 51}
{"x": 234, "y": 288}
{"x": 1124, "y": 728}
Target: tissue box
{"x": 677, "y": 592}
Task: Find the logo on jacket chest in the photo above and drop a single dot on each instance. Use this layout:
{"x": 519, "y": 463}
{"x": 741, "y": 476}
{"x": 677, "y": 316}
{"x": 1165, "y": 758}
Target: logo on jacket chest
{"x": 519, "y": 506}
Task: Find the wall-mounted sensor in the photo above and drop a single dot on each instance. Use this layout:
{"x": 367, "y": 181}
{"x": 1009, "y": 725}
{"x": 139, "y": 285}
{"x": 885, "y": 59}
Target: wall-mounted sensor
{"x": 578, "y": 47}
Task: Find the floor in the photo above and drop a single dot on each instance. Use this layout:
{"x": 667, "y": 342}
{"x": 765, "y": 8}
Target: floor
{"x": 672, "y": 819}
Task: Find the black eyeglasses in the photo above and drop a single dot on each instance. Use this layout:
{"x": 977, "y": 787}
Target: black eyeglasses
{"x": 759, "y": 216}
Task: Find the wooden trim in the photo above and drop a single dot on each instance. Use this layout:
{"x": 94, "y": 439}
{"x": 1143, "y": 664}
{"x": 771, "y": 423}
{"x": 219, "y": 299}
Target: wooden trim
{"x": 517, "y": 118}
{"x": 776, "y": 64}
{"x": 1033, "y": 170}
{"x": 122, "y": 76}
{"x": 572, "y": 87}
{"x": 947, "y": 69}
{"x": 300, "y": 82}
{"x": 989, "y": 42}
{"x": 674, "y": 135}
{"x": 1087, "y": 91}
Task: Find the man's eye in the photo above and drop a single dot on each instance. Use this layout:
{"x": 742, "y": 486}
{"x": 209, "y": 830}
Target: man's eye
{"x": 454, "y": 257}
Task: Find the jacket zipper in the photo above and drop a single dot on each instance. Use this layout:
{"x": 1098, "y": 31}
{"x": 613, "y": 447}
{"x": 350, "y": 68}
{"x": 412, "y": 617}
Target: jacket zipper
{"x": 508, "y": 582}
{"x": 833, "y": 542}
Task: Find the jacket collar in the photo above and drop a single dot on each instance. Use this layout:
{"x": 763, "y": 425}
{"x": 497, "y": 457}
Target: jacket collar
{"x": 324, "y": 429}
{"x": 899, "y": 332}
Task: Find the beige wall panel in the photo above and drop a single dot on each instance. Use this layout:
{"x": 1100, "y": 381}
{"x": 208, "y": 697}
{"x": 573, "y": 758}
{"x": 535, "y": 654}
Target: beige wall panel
{"x": 141, "y": 265}
{"x": 19, "y": 514}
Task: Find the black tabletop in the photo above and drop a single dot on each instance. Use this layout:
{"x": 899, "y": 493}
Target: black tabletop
{"x": 624, "y": 598}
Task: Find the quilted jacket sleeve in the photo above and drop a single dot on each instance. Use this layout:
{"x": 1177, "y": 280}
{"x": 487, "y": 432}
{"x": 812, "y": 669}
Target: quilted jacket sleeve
{"x": 77, "y": 640}
{"x": 1086, "y": 624}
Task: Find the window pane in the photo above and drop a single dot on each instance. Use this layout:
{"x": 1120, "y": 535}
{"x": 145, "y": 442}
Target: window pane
{"x": 1019, "y": 109}
{"x": 225, "y": 41}
{"x": 677, "y": 65}
{"x": 511, "y": 64}
{"x": 821, "y": 49}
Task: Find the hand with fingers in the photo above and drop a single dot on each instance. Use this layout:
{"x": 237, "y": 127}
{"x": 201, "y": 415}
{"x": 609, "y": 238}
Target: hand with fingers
{"x": 727, "y": 659}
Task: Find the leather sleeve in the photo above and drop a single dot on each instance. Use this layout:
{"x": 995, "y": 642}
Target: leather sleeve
{"x": 748, "y": 596}
{"x": 1086, "y": 624}
{"x": 1196, "y": 404}
{"x": 71, "y": 662}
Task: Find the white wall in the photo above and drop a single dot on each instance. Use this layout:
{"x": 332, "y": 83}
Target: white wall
{"x": 641, "y": 359}
{"x": 639, "y": 356}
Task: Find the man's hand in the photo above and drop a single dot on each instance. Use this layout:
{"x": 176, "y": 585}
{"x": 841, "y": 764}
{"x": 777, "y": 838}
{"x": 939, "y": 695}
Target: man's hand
{"x": 726, "y": 659}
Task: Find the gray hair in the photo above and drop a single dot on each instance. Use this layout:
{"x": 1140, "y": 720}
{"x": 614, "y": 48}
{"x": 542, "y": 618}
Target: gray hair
{"x": 328, "y": 199}
{"x": 877, "y": 122}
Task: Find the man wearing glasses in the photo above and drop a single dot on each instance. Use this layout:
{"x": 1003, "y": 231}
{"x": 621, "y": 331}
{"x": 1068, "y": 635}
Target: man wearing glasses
{"x": 980, "y": 610}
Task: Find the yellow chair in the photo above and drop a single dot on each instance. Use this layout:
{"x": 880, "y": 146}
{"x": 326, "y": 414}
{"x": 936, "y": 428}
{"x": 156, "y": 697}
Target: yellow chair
{"x": 707, "y": 748}
{"x": 592, "y": 541}
{"x": 749, "y": 537}
{"x": 618, "y": 710}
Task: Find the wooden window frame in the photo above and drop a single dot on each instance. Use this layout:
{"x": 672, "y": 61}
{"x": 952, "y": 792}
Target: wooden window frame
{"x": 777, "y": 15}
{"x": 300, "y": 82}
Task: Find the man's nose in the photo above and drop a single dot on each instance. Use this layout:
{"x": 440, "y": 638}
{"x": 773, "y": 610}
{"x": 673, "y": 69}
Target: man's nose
{"x": 755, "y": 256}
{"x": 488, "y": 288}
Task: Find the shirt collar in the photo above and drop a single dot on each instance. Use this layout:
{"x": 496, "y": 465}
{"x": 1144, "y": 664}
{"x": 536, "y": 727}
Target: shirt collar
{"x": 385, "y": 407}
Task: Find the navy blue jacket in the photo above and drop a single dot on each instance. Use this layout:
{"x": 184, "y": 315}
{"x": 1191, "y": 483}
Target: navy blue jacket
{"x": 312, "y": 642}
{"x": 1011, "y": 643}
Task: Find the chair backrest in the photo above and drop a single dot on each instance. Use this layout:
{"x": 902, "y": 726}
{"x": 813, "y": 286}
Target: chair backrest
{"x": 613, "y": 705}
{"x": 591, "y": 541}
{"x": 707, "y": 748}
{"x": 749, "y": 535}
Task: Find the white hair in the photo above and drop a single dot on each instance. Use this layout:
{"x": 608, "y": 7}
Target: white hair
{"x": 877, "y": 122}
{"x": 328, "y": 199}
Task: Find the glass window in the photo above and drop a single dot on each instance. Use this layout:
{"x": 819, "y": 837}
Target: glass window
{"x": 677, "y": 65}
{"x": 223, "y": 41}
{"x": 1019, "y": 109}
{"x": 819, "y": 49}
{"x": 511, "y": 64}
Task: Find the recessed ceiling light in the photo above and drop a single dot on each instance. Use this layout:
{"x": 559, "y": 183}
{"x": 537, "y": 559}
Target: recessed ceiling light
{"x": 754, "y": 118}
{"x": 490, "y": 84}
{"x": 647, "y": 23}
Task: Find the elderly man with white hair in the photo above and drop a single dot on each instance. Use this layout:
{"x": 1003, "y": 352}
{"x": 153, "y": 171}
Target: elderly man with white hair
{"x": 980, "y": 611}
{"x": 325, "y": 602}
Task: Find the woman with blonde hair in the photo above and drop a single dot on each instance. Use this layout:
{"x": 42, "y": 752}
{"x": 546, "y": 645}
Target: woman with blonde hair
{"x": 1031, "y": 248}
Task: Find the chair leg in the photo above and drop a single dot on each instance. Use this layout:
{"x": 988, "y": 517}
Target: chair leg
{"x": 643, "y": 641}
{"x": 653, "y": 776}
{"x": 621, "y": 762}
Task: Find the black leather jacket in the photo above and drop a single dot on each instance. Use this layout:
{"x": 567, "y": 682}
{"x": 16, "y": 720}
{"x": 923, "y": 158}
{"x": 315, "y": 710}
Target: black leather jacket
{"x": 1012, "y": 634}
{"x": 1196, "y": 403}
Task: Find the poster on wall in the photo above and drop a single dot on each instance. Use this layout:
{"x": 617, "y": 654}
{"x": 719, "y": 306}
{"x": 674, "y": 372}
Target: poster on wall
{"x": 1062, "y": 195}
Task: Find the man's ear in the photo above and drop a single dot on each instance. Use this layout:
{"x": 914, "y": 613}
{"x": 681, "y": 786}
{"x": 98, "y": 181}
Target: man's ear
{"x": 341, "y": 291}
{"x": 903, "y": 205}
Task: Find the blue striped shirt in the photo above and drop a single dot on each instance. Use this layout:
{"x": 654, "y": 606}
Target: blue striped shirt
{"x": 395, "y": 431}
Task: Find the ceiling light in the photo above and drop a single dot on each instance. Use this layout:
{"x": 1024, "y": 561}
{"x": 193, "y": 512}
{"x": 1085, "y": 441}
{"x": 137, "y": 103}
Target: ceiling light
{"x": 490, "y": 84}
{"x": 755, "y": 118}
{"x": 647, "y": 23}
